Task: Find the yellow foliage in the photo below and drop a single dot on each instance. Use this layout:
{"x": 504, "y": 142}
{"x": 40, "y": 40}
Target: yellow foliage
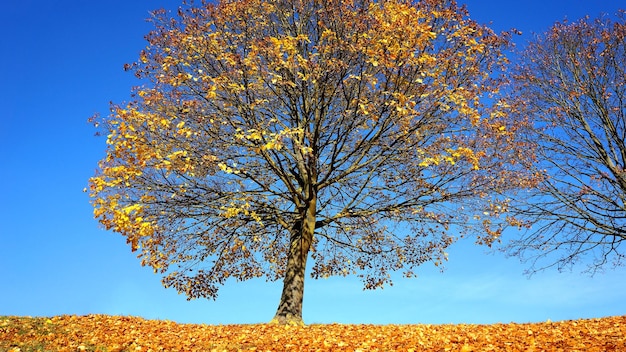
{"x": 225, "y": 168}
{"x": 247, "y": 103}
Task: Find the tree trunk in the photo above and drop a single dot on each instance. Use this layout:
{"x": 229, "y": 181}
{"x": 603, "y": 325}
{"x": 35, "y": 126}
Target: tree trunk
{"x": 290, "y": 307}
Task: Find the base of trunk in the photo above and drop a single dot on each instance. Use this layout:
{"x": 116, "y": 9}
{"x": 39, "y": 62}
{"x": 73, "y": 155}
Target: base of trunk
{"x": 287, "y": 320}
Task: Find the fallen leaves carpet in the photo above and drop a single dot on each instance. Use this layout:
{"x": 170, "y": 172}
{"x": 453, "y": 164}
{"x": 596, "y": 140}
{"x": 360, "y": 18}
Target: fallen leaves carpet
{"x": 120, "y": 333}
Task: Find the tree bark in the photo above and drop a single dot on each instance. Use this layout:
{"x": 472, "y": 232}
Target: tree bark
{"x": 290, "y": 307}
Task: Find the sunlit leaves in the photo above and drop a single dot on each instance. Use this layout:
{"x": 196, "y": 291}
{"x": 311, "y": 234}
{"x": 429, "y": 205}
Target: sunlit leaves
{"x": 115, "y": 333}
{"x": 374, "y": 124}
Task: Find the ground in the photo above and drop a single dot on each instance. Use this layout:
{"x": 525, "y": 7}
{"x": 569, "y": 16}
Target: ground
{"x": 120, "y": 333}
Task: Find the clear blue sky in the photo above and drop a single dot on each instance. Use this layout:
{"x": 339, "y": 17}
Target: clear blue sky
{"x": 61, "y": 61}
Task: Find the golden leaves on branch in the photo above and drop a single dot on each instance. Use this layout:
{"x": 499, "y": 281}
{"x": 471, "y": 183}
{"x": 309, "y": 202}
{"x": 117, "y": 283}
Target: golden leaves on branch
{"x": 118, "y": 333}
{"x": 253, "y": 108}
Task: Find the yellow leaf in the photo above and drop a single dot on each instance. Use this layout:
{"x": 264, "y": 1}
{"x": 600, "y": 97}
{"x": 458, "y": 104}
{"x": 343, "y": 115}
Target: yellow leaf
{"x": 466, "y": 348}
{"x": 225, "y": 168}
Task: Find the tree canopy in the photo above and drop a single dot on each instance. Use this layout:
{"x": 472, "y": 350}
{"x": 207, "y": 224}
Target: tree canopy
{"x": 572, "y": 82}
{"x": 362, "y": 134}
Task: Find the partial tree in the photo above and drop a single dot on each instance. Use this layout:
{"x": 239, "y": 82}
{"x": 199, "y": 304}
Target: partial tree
{"x": 353, "y": 132}
{"x": 572, "y": 82}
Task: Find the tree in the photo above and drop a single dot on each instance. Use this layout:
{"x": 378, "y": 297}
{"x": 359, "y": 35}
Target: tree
{"x": 268, "y": 131}
{"x": 572, "y": 81}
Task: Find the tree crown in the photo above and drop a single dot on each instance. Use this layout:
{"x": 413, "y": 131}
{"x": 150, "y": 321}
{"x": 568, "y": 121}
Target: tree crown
{"x": 367, "y": 113}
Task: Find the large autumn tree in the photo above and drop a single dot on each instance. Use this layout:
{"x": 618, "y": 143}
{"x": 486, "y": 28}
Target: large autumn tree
{"x": 572, "y": 80}
{"x": 267, "y": 132}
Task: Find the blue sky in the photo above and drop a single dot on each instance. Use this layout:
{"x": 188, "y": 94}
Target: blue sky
{"x": 61, "y": 62}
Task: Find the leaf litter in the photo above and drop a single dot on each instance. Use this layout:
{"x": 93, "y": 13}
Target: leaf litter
{"x": 123, "y": 333}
